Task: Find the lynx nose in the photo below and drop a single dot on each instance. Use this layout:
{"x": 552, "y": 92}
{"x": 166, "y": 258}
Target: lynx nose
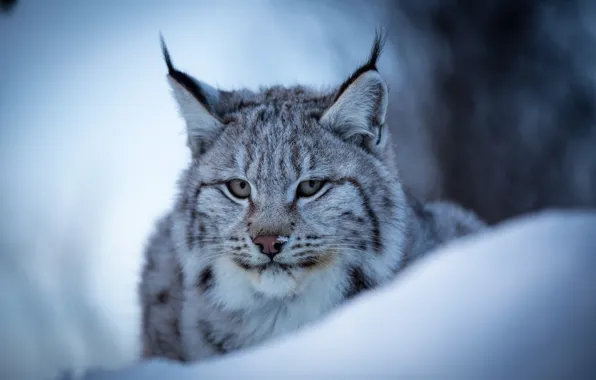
{"x": 270, "y": 244}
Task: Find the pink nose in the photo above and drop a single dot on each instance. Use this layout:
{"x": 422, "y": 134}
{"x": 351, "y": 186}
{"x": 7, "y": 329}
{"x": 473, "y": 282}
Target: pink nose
{"x": 269, "y": 244}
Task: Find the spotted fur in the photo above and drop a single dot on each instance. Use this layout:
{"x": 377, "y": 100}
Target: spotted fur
{"x": 354, "y": 234}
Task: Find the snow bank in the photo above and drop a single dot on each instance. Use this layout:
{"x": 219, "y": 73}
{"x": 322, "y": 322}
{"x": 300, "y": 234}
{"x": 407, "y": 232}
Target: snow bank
{"x": 518, "y": 302}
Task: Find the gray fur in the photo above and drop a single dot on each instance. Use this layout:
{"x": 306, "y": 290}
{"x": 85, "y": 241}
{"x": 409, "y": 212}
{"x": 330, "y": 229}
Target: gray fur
{"x": 161, "y": 295}
{"x": 355, "y": 234}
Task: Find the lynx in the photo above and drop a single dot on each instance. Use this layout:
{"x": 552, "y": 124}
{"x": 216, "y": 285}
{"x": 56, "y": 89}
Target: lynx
{"x": 290, "y": 206}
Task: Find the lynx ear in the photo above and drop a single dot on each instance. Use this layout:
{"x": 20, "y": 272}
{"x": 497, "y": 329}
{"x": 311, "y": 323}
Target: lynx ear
{"x": 197, "y": 104}
{"x": 360, "y": 104}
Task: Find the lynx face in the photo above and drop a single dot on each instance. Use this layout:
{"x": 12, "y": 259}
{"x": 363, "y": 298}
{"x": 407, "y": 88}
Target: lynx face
{"x": 280, "y": 196}
{"x": 287, "y": 182}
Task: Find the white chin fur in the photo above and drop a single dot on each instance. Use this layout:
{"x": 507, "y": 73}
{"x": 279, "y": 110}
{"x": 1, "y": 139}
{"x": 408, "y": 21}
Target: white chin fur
{"x": 275, "y": 283}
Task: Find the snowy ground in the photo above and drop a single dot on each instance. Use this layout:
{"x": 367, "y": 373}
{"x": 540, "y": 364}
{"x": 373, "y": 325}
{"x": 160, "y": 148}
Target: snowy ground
{"x": 518, "y": 302}
{"x": 90, "y": 146}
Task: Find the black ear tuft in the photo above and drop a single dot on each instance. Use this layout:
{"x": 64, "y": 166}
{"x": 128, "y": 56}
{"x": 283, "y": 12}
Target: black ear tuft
{"x": 377, "y": 49}
{"x": 183, "y": 79}
{"x": 371, "y": 63}
{"x": 166, "y": 54}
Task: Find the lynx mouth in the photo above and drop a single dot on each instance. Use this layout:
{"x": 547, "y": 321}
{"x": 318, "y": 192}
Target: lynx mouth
{"x": 271, "y": 264}
{"x": 315, "y": 262}
{"x": 262, "y": 267}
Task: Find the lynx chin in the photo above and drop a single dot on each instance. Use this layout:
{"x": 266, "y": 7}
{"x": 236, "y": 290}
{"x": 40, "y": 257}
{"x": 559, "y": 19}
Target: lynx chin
{"x": 290, "y": 206}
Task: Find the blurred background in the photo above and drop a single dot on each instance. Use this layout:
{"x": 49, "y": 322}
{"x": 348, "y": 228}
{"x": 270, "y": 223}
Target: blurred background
{"x": 491, "y": 105}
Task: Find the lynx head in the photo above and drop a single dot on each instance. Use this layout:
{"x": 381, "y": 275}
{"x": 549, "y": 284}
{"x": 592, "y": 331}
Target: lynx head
{"x": 287, "y": 184}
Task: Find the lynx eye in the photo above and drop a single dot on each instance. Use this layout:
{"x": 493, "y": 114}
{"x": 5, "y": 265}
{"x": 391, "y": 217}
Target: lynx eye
{"x": 309, "y": 188}
{"x": 239, "y": 188}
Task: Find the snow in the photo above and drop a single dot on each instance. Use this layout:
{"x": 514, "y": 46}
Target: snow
{"x": 518, "y": 302}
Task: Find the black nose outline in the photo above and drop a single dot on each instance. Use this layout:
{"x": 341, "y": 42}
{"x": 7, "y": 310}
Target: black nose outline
{"x": 273, "y": 247}
{"x": 278, "y": 247}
